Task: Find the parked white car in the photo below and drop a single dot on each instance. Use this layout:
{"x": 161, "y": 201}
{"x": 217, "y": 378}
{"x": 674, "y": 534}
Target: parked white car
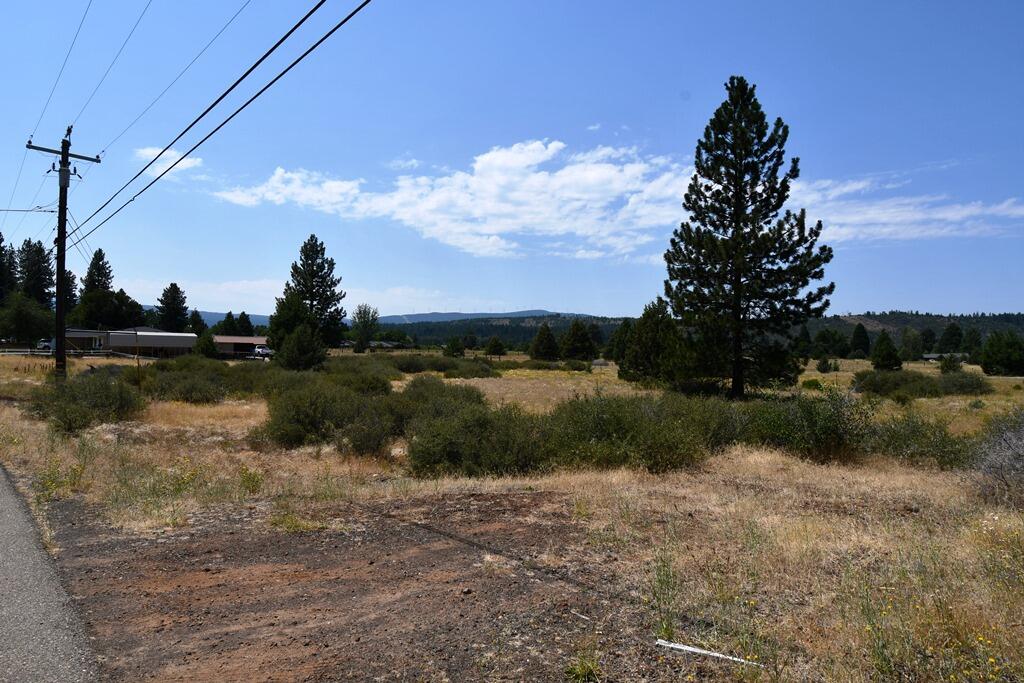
{"x": 263, "y": 351}
{"x": 44, "y": 345}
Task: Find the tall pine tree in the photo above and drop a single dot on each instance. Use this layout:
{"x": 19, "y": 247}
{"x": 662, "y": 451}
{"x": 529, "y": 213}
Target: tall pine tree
{"x": 196, "y": 324}
{"x": 314, "y": 282}
{"x": 544, "y": 345}
{"x": 99, "y": 277}
{"x": 951, "y": 339}
{"x": 36, "y": 278}
{"x": 8, "y": 269}
{"x": 244, "y": 325}
{"x": 859, "y": 340}
{"x": 172, "y": 310}
{"x": 740, "y": 268}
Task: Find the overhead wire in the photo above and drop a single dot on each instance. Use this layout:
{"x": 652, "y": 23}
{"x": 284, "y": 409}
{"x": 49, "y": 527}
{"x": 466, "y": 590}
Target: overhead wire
{"x": 112, "y": 63}
{"x": 223, "y": 123}
{"x": 176, "y": 78}
{"x": 208, "y": 109}
{"x": 46, "y": 105}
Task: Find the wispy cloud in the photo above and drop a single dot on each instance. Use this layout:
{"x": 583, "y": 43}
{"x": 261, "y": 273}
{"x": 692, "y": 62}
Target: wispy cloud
{"x": 594, "y": 126}
{"x": 603, "y": 202}
{"x": 404, "y": 163}
{"x": 166, "y": 161}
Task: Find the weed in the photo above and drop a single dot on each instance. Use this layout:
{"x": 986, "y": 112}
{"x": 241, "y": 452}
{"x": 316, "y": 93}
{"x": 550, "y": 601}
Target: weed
{"x": 250, "y": 480}
{"x": 585, "y": 667}
{"x": 664, "y": 594}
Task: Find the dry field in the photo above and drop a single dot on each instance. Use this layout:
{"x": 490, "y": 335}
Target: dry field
{"x": 194, "y": 556}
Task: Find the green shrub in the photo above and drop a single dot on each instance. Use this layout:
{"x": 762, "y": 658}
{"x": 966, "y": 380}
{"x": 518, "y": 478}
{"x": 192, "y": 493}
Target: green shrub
{"x": 832, "y": 426}
{"x": 467, "y": 369}
{"x": 577, "y": 365}
{"x": 189, "y": 388}
{"x": 475, "y": 441}
{"x": 812, "y": 384}
{"x": 964, "y": 383}
{"x": 301, "y": 349}
{"x": 950, "y": 363}
{"x": 311, "y": 413}
{"x": 86, "y": 400}
{"x": 910, "y": 383}
{"x": 364, "y": 375}
{"x": 428, "y": 397}
{"x": 409, "y": 363}
{"x": 371, "y": 430}
{"x": 917, "y": 439}
{"x": 825, "y": 365}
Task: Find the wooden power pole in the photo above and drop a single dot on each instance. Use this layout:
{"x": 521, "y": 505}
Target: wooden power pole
{"x": 64, "y": 178}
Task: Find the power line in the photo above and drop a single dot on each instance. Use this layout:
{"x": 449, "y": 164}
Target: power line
{"x": 176, "y": 78}
{"x": 113, "y": 62}
{"x": 37, "y": 209}
{"x": 53, "y": 88}
{"x": 61, "y": 72}
{"x": 206, "y": 111}
{"x": 235, "y": 113}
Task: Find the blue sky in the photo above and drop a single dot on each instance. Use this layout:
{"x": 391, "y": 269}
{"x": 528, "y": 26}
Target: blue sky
{"x": 486, "y": 156}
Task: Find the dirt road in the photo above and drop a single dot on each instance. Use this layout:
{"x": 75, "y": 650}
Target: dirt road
{"x": 370, "y": 598}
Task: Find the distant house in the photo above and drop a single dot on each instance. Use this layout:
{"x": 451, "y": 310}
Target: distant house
{"x": 86, "y": 340}
{"x": 149, "y": 341}
{"x": 231, "y": 345}
{"x": 936, "y": 357}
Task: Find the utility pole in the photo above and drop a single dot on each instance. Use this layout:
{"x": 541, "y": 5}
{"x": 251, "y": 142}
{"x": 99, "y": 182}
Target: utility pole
{"x": 64, "y": 181}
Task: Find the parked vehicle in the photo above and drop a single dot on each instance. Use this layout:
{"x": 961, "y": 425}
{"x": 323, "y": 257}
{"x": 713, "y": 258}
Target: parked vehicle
{"x": 44, "y": 345}
{"x": 263, "y": 351}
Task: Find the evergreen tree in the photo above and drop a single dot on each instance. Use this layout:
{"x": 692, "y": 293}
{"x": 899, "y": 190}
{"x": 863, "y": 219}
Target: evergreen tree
{"x": 313, "y": 280}
{"x": 35, "y": 273}
{"x": 70, "y": 290}
{"x": 972, "y": 344}
{"x": 172, "y": 310}
{"x": 302, "y": 350}
{"x": 951, "y": 339}
{"x": 227, "y": 325}
{"x": 577, "y": 344}
{"x": 99, "y": 276}
{"x": 596, "y": 336}
{"x": 204, "y": 345}
{"x": 859, "y": 340}
{"x": 1003, "y": 354}
{"x": 454, "y": 348}
{"x": 884, "y": 356}
{"x": 619, "y": 341}
{"x": 830, "y": 342}
{"x": 289, "y": 313}
{"x": 8, "y": 269}
{"x": 927, "y": 340}
{"x": 494, "y": 347}
{"x": 802, "y": 344}
{"x": 365, "y": 323}
{"x": 244, "y": 325}
{"x": 196, "y": 324}
{"x": 739, "y": 270}
{"x": 911, "y": 347}
{"x": 24, "y": 319}
{"x": 654, "y": 347}
{"x": 544, "y": 345}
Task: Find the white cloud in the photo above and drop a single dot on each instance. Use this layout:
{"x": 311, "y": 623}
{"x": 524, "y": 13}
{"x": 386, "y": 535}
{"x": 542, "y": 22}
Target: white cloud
{"x": 404, "y": 163}
{"x": 594, "y": 126}
{"x": 166, "y": 161}
{"x": 604, "y": 202}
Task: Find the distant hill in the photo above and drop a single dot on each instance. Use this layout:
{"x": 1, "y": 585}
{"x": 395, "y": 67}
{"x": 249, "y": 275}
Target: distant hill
{"x": 446, "y": 317}
{"x": 212, "y": 317}
{"x": 515, "y": 329}
{"x": 895, "y": 321}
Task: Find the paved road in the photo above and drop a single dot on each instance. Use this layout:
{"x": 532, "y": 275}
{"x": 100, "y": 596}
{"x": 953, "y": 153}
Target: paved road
{"x": 41, "y": 637}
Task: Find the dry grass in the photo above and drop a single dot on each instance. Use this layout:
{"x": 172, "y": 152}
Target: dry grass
{"x": 878, "y": 571}
{"x": 965, "y": 414}
{"x": 541, "y": 390}
{"x": 237, "y": 415}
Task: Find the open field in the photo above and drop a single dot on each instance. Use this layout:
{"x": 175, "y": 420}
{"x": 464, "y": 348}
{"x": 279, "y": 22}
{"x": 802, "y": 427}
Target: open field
{"x": 195, "y": 554}
{"x": 965, "y": 414}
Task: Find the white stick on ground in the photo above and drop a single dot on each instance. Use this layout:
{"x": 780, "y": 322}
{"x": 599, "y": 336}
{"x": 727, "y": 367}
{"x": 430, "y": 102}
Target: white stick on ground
{"x": 698, "y": 651}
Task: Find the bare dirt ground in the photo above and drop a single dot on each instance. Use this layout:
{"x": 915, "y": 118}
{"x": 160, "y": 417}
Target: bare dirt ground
{"x": 477, "y": 587}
